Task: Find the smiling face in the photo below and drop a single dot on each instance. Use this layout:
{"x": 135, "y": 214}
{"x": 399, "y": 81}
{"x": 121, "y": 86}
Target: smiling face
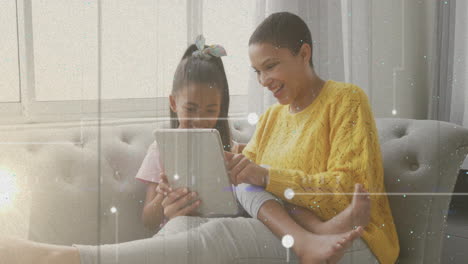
{"x": 280, "y": 71}
{"x": 197, "y": 106}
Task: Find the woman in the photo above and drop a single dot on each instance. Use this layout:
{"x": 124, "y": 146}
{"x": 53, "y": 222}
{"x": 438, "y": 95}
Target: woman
{"x": 319, "y": 142}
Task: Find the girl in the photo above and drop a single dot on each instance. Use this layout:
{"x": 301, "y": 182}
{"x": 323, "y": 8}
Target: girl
{"x": 199, "y": 99}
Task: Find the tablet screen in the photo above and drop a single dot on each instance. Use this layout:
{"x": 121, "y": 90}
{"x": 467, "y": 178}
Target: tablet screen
{"x": 194, "y": 158}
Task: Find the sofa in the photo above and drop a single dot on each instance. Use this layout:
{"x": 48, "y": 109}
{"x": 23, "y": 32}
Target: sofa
{"x": 74, "y": 183}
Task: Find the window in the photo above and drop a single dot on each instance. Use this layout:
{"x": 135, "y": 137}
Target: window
{"x": 141, "y": 45}
{"x": 231, "y": 23}
{"x": 140, "y": 41}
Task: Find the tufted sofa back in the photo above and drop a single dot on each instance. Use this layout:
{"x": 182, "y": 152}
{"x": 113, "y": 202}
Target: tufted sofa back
{"x": 421, "y": 163}
{"x": 63, "y": 195}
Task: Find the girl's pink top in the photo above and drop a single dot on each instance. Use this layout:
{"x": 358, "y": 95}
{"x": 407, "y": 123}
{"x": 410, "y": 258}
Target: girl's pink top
{"x": 150, "y": 169}
{"x": 151, "y": 166}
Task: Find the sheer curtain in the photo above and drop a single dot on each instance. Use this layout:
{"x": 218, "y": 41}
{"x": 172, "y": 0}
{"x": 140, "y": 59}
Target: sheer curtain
{"x": 458, "y": 110}
{"x": 449, "y": 92}
{"x": 339, "y": 28}
{"x": 459, "y": 106}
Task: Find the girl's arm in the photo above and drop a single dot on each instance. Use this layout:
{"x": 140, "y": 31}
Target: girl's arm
{"x": 153, "y": 212}
{"x": 164, "y": 202}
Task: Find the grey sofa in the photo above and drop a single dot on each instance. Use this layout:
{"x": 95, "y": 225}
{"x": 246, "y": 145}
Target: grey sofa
{"x": 63, "y": 195}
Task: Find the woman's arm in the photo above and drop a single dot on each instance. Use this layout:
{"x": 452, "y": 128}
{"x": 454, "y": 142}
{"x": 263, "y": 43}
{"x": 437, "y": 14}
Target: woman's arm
{"x": 237, "y": 147}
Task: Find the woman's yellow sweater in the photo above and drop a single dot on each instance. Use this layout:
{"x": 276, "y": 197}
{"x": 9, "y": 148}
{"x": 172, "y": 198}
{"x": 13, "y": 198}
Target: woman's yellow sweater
{"x": 321, "y": 153}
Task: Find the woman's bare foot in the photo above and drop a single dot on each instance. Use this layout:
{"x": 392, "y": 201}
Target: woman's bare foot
{"x": 315, "y": 249}
{"x": 356, "y": 214}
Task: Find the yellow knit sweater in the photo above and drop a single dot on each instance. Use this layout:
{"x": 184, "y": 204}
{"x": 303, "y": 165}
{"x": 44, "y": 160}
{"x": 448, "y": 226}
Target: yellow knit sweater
{"x": 321, "y": 152}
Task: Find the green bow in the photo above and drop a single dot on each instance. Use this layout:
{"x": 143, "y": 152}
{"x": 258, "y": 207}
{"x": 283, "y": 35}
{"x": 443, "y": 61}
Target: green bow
{"x": 207, "y": 53}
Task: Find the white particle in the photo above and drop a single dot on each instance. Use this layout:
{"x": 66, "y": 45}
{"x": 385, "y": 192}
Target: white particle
{"x": 287, "y": 241}
{"x": 176, "y": 177}
{"x": 289, "y": 194}
{"x": 394, "y": 112}
{"x": 113, "y": 210}
{"x": 252, "y": 118}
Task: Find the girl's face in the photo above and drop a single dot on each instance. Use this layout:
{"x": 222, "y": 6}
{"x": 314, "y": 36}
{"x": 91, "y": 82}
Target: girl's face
{"x": 279, "y": 70}
{"x": 197, "y": 106}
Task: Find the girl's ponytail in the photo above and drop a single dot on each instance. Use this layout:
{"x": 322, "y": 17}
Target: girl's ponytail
{"x": 209, "y": 70}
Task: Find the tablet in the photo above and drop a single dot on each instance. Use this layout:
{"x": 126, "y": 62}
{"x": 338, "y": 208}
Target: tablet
{"x": 194, "y": 158}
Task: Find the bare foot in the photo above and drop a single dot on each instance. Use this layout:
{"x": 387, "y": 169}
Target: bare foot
{"x": 356, "y": 214}
{"x": 346, "y": 243}
{"x": 315, "y": 249}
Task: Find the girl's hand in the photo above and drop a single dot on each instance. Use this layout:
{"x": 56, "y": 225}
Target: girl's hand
{"x": 180, "y": 202}
{"x": 242, "y": 170}
{"x": 176, "y": 202}
{"x": 163, "y": 187}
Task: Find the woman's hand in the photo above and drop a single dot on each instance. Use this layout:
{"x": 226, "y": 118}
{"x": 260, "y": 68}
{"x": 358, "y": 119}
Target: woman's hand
{"x": 242, "y": 170}
{"x": 237, "y": 148}
{"x": 177, "y": 202}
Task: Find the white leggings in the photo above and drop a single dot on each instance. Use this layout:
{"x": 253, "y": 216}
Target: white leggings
{"x": 196, "y": 240}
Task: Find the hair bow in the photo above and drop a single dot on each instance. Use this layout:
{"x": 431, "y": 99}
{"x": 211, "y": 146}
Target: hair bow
{"x": 207, "y": 53}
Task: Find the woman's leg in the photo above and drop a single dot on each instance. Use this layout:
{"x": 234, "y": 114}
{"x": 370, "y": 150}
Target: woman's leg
{"x": 19, "y": 251}
{"x": 182, "y": 224}
{"x": 356, "y": 214}
{"x": 297, "y": 222}
{"x": 223, "y": 240}
{"x": 309, "y": 247}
